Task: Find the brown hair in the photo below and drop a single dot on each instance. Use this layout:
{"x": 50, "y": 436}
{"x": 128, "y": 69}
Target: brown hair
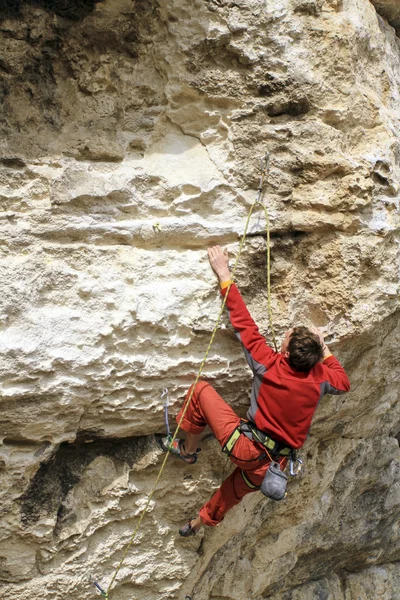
{"x": 305, "y": 349}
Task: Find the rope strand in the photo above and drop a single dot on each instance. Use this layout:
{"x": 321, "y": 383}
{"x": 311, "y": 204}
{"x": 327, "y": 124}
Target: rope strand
{"x": 242, "y": 241}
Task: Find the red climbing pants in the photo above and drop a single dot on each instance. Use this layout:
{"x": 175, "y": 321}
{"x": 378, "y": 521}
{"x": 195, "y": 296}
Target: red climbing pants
{"x": 208, "y": 408}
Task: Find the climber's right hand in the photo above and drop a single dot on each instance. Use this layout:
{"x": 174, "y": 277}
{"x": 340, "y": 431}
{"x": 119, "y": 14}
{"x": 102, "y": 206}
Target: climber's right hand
{"x": 219, "y": 262}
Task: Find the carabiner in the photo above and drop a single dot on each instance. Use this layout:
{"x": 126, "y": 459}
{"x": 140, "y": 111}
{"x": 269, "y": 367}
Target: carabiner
{"x": 264, "y": 166}
{"x": 264, "y": 162}
{"x": 295, "y": 471}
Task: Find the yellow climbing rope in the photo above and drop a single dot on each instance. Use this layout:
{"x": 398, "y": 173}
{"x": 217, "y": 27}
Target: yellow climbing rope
{"x": 264, "y": 172}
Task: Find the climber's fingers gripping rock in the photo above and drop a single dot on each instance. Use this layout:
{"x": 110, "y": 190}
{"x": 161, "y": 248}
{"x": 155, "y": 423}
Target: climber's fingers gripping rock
{"x": 219, "y": 262}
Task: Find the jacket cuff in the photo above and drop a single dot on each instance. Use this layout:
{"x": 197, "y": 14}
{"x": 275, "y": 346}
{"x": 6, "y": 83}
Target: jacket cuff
{"x": 328, "y": 357}
{"x": 225, "y": 284}
{"x": 207, "y": 520}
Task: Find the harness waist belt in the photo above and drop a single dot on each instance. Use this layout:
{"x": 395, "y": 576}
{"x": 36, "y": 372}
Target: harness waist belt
{"x": 247, "y": 427}
{"x": 254, "y": 434}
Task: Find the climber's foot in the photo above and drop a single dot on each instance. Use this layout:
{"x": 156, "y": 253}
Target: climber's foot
{"x": 177, "y": 447}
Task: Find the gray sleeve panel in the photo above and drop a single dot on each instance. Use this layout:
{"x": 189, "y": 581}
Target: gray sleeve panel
{"x": 255, "y": 390}
{"x": 256, "y": 367}
{"x": 322, "y": 393}
{"x": 327, "y": 388}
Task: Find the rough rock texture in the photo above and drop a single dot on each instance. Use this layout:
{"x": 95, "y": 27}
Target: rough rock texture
{"x": 131, "y": 131}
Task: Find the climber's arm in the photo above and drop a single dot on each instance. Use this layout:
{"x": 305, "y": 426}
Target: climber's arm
{"x": 337, "y": 381}
{"x": 258, "y": 353}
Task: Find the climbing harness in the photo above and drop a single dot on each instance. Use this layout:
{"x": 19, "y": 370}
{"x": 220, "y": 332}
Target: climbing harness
{"x": 264, "y": 167}
{"x": 251, "y": 431}
{"x": 275, "y": 481}
{"x": 249, "y": 483}
{"x": 276, "y": 448}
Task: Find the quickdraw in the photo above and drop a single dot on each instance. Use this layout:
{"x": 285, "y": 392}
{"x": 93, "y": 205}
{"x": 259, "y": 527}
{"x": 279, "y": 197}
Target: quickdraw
{"x": 165, "y": 394}
{"x": 100, "y": 589}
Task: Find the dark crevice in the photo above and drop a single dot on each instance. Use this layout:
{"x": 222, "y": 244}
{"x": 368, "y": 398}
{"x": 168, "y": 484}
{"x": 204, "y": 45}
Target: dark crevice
{"x": 291, "y": 107}
{"x": 380, "y": 179}
{"x": 312, "y": 8}
{"x": 294, "y": 234}
{"x": 390, "y": 11}
{"x": 272, "y": 85}
{"x": 12, "y": 163}
{"x": 58, "y": 475}
{"x": 75, "y": 10}
{"x": 21, "y": 442}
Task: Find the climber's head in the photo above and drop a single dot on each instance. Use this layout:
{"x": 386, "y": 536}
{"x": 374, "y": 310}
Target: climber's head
{"x": 302, "y": 348}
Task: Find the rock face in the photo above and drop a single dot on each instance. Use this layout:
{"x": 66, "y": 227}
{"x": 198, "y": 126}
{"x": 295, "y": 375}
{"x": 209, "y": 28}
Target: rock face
{"x": 131, "y": 135}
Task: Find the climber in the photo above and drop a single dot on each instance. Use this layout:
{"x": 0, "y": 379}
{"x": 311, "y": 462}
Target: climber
{"x": 286, "y": 390}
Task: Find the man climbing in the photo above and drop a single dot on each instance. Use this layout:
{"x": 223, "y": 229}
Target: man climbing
{"x": 287, "y": 387}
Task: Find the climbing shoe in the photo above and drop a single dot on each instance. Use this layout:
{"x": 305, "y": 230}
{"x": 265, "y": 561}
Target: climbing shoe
{"x": 186, "y": 530}
{"x": 176, "y": 448}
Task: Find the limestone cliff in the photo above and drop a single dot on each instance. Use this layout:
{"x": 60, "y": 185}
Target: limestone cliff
{"x": 131, "y": 133}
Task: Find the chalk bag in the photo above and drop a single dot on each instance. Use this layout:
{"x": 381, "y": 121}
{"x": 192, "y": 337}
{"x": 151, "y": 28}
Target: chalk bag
{"x": 274, "y": 483}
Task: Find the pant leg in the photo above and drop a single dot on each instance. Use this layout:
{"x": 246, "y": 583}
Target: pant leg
{"x": 231, "y": 492}
{"x": 208, "y": 408}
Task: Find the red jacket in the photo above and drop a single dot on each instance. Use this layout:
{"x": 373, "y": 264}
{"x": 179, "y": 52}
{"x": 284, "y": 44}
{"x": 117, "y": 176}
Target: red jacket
{"x": 283, "y": 400}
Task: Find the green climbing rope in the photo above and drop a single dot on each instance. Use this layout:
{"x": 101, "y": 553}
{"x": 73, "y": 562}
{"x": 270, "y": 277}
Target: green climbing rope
{"x": 258, "y": 202}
